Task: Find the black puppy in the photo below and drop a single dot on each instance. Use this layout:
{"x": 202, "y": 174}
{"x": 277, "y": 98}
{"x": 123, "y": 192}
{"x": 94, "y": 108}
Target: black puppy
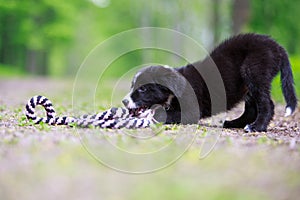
{"x": 246, "y": 63}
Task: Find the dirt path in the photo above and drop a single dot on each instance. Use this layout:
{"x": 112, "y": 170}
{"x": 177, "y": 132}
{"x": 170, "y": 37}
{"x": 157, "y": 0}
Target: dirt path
{"x": 41, "y": 162}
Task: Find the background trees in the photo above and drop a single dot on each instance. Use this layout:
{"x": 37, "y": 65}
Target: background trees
{"x": 30, "y": 31}
{"x": 52, "y": 37}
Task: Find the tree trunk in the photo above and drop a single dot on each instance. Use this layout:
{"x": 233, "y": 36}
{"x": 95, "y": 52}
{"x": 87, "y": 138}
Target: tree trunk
{"x": 37, "y": 62}
{"x": 240, "y": 14}
{"x": 216, "y": 21}
{"x": 7, "y": 47}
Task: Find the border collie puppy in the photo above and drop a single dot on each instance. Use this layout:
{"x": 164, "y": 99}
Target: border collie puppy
{"x": 246, "y": 64}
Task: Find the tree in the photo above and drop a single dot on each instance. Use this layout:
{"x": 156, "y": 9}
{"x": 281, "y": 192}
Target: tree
{"x": 30, "y": 29}
{"x": 279, "y": 19}
{"x": 240, "y": 15}
{"x": 216, "y": 21}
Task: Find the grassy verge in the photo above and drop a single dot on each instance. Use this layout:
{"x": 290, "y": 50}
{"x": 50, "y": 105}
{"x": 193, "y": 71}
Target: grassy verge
{"x": 10, "y": 71}
{"x": 276, "y": 85}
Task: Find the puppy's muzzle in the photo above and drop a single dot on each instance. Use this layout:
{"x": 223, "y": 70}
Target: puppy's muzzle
{"x": 125, "y": 102}
{"x": 128, "y": 103}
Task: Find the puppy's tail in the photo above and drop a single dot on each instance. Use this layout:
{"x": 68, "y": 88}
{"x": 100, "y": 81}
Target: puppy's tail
{"x": 287, "y": 85}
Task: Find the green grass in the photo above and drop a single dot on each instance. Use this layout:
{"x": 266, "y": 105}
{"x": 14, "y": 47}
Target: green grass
{"x": 10, "y": 71}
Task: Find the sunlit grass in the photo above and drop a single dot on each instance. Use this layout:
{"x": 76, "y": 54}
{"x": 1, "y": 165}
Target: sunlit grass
{"x": 276, "y": 85}
{"x": 9, "y": 71}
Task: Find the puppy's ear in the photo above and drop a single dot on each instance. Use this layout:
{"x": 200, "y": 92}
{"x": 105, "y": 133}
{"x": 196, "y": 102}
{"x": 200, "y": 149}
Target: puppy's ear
{"x": 171, "y": 79}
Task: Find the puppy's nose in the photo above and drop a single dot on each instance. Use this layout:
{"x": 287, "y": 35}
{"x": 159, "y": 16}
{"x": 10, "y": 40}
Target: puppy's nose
{"x": 125, "y": 102}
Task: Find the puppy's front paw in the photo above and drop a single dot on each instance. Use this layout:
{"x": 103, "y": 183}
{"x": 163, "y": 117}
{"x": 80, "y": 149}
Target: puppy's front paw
{"x": 253, "y": 128}
{"x": 248, "y": 129}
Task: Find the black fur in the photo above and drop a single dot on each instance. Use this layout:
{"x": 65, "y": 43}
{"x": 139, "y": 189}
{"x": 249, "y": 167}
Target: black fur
{"x": 247, "y": 64}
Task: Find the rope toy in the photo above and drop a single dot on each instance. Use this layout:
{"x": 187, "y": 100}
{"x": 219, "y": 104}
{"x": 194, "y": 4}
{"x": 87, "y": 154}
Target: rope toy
{"x": 114, "y": 118}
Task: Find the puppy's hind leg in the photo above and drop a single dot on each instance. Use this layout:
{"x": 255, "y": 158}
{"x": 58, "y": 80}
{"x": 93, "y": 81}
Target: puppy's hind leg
{"x": 247, "y": 117}
{"x": 258, "y": 81}
{"x": 265, "y": 109}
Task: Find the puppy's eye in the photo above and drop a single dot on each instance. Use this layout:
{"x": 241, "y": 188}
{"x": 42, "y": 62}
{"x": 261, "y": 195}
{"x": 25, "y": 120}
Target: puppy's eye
{"x": 142, "y": 89}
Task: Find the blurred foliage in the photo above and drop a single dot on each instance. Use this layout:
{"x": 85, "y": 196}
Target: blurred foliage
{"x": 29, "y": 30}
{"x": 53, "y": 37}
{"x": 278, "y": 18}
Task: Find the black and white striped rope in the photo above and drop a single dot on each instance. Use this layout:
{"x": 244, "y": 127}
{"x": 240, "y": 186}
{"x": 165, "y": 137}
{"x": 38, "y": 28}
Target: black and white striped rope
{"x": 113, "y": 118}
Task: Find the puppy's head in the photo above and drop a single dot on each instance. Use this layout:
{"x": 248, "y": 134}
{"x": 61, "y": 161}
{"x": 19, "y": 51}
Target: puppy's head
{"x": 155, "y": 85}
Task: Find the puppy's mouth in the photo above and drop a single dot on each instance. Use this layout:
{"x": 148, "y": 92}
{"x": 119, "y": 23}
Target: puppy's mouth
{"x": 138, "y": 111}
